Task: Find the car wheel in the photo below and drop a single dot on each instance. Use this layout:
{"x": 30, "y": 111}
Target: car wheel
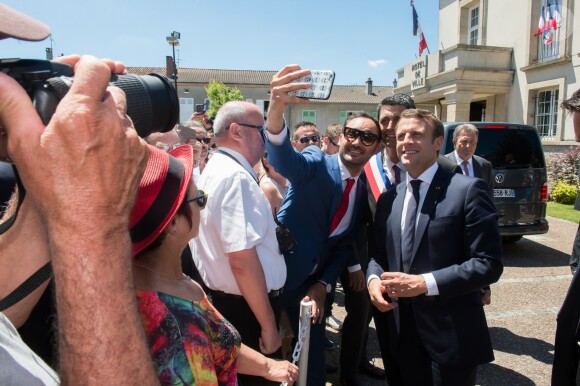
{"x": 511, "y": 239}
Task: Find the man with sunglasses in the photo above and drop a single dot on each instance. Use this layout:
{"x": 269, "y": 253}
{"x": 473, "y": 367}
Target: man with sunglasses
{"x": 236, "y": 252}
{"x": 305, "y": 134}
{"x": 322, "y": 207}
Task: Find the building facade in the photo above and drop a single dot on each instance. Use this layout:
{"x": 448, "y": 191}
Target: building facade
{"x": 502, "y": 61}
{"x": 255, "y": 88}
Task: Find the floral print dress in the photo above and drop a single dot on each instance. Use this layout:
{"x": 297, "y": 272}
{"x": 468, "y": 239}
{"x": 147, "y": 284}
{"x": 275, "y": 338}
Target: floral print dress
{"x": 190, "y": 341}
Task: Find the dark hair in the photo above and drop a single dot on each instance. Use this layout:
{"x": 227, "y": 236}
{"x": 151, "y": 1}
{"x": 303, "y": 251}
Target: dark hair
{"x": 362, "y": 114}
{"x": 427, "y": 115}
{"x": 395, "y": 100}
{"x": 303, "y": 123}
{"x": 572, "y": 104}
{"x": 184, "y": 210}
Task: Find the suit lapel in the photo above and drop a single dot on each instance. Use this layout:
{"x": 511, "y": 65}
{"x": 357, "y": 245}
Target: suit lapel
{"x": 428, "y": 208}
{"x": 477, "y": 169}
{"x": 336, "y": 197}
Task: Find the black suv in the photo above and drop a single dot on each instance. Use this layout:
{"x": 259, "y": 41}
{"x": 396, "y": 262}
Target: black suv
{"x": 520, "y": 187}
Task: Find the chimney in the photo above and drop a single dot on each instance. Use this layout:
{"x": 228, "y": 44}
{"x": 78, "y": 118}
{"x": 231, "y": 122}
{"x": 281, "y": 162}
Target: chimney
{"x": 369, "y": 86}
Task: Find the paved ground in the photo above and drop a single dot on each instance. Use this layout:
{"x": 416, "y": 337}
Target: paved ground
{"x": 522, "y": 316}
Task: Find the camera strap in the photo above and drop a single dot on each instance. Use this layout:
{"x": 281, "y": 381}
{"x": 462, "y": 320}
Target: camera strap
{"x": 21, "y": 193}
{"x": 26, "y": 288}
{"x": 38, "y": 277}
{"x": 239, "y": 163}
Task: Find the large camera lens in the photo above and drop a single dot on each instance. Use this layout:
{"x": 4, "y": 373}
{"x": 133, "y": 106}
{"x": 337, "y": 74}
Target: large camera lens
{"x": 152, "y": 102}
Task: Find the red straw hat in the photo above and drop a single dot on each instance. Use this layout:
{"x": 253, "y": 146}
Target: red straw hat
{"x": 161, "y": 191}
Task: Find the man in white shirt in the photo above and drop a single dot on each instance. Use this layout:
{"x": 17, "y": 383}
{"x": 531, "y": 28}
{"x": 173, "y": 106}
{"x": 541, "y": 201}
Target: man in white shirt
{"x": 237, "y": 252}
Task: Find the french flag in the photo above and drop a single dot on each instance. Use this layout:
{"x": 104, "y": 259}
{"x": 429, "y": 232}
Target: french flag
{"x": 417, "y": 31}
{"x": 542, "y": 22}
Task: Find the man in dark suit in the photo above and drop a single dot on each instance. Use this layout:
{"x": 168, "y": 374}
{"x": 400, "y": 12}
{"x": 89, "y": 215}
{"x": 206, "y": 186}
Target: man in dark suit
{"x": 567, "y": 343}
{"x": 321, "y": 208}
{"x": 436, "y": 243}
{"x": 465, "y": 142}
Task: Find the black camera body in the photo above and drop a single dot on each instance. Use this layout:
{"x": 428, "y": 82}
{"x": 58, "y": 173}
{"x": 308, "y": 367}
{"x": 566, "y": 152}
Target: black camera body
{"x": 152, "y": 101}
{"x": 286, "y": 240}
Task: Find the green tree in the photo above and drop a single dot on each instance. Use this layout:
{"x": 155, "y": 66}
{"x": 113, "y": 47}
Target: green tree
{"x": 218, "y": 94}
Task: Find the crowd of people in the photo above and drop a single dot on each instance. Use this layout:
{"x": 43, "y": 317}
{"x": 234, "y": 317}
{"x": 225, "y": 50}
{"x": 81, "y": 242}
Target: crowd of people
{"x": 163, "y": 257}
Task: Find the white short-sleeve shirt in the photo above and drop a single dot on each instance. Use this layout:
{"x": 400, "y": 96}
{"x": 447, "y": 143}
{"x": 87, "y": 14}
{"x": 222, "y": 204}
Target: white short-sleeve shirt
{"x": 237, "y": 217}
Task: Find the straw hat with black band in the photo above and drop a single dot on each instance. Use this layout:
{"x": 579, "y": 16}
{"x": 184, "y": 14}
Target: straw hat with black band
{"x": 162, "y": 190}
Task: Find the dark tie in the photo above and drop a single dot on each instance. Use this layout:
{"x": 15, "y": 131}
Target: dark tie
{"x": 409, "y": 232}
{"x": 397, "y": 173}
{"x": 343, "y": 206}
{"x": 465, "y": 170}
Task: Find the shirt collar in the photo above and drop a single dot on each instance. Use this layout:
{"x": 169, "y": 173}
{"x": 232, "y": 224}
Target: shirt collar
{"x": 460, "y": 160}
{"x": 427, "y": 175}
{"x": 241, "y": 159}
{"x": 344, "y": 173}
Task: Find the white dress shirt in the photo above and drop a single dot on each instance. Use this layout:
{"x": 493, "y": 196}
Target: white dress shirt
{"x": 469, "y": 164}
{"x": 426, "y": 178}
{"x": 237, "y": 217}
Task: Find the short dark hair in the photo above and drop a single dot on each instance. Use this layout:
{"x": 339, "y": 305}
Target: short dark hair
{"x": 428, "y": 116}
{"x": 572, "y": 104}
{"x": 303, "y": 123}
{"x": 362, "y": 114}
{"x": 395, "y": 100}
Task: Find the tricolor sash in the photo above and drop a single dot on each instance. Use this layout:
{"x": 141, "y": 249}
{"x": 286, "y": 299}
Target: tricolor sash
{"x": 376, "y": 176}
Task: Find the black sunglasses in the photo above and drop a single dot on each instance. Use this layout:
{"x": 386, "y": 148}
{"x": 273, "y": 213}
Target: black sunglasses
{"x": 205, "y": 140}
{"x": 331, "y": 141}
{"x": 366, "y": 137}
{"x": 200, "y": 199}
{"x": 312, "y": 138}
{"x": 260, "y": 129}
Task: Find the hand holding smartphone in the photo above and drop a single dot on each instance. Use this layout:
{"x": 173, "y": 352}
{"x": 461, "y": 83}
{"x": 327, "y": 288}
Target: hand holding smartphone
{"x": 321, "y": 82}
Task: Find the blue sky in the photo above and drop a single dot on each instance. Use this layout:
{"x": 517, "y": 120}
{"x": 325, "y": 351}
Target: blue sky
{"x": 357, "y": 39}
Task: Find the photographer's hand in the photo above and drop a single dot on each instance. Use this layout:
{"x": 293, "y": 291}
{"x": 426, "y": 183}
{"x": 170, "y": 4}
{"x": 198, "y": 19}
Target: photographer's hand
{"x": 82, "y": 172}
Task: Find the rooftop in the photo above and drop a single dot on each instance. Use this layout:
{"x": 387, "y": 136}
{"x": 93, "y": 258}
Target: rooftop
{"x": 238, "y": 78}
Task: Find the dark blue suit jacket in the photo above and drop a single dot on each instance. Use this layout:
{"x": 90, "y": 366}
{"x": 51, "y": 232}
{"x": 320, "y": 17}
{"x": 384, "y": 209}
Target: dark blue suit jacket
{"x": 308, "y": 208}
{"x": 457, "y": 240}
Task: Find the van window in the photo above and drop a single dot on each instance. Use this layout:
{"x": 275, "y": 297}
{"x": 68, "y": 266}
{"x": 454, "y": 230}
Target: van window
{"x": 508, "y": 148}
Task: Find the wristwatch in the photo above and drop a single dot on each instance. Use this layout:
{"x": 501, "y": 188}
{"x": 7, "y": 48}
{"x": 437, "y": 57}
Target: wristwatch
{"x": 326, "y": 285}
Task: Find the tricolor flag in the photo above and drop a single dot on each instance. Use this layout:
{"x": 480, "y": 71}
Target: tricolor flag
{"x": 556, "y": 16}
{"x": 548, "y": 35}
{"x": 542, "y": 22}
{"x": 417, "y": 31}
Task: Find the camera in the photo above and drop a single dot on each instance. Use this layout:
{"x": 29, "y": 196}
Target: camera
{"x": 152, "y": 101}
{"x": 286, "y": 240}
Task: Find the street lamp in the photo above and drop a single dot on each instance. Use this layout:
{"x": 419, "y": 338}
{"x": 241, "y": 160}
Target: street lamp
{"x": 173, "y": 41}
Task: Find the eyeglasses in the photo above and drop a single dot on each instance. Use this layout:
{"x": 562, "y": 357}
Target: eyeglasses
{"x": 200, "y": 199}
{"x": 366, "y": 137}
{"x": 312, "y": 138}
{"x": 331, "y": 141}
{"x": 260, "y": 129}
{"x": 205, "y": 140}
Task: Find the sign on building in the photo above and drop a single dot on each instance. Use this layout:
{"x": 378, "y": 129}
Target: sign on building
{"x": 419, "y": 73}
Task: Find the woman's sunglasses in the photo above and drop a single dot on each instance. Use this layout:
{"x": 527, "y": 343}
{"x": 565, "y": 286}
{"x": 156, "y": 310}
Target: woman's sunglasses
{"x": 200, "y": 199}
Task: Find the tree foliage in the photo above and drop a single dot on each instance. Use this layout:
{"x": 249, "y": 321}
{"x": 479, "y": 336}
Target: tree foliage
{"x": 218, "y": 94}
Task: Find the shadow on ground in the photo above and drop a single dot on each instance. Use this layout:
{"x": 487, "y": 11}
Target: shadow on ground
{"x": 506, "y": 341}
{"x": 529, "y": 253}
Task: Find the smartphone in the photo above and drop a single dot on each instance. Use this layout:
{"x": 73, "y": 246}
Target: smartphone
{"x": 200, "y": 108}
{"x": 186, "y": 133}
{"x": 321, "y": 85}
